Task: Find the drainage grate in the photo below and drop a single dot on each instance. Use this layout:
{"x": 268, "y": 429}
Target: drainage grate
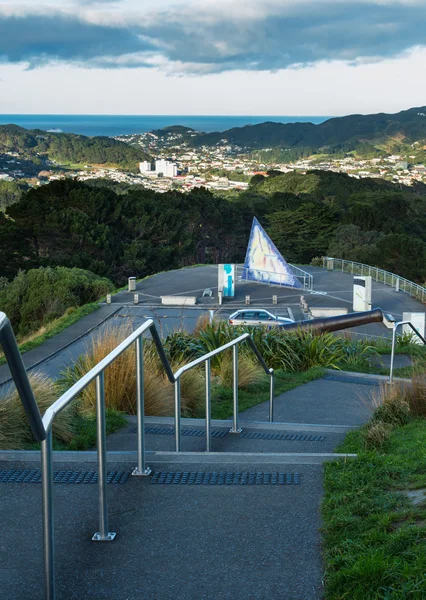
{"x": 223, "y": 478}
{"x": 218, "y": 433}
{"x": 291, "y": 437}
{"x": 34, "y": 476}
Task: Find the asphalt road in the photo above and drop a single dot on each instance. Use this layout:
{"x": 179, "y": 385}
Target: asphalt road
{"x": 335, "y": 291}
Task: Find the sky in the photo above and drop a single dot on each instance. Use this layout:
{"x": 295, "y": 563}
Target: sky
{"x": 218, "y": 57}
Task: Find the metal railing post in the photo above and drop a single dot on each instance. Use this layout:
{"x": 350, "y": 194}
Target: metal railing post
{"x": 48, "y": 524}
{"x": 235, "y": 428}
{"x": 177, "y": 414}
{"x": 392, "y": 352}
{"x": 208, "y": 407}
{"x": 271, "y": 397}
{"x": 141, "y": 469}
{"x": 103, "y": 535}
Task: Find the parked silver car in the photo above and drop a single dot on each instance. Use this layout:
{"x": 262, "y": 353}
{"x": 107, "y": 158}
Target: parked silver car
{"x": 257, "y": 317}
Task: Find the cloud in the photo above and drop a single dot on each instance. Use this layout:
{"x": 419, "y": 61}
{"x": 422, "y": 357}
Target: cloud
{"x": 39, "y": 39}
{"x": 213, "y": 36}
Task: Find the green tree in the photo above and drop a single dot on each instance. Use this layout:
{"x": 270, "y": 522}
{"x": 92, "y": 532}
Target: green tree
{"x": 303, "y": 233}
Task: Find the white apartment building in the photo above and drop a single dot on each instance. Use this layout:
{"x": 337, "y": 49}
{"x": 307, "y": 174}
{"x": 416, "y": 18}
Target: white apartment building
{"x": 145, "y": 166}
{"x": 165, "y": 168}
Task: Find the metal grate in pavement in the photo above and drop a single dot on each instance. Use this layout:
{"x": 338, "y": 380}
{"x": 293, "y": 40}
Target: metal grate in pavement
{"x": 223, "y": 478}
{"x": 218, "y": 433}
{"x": 291, "y": 437}
{"x": 79, "y": 477}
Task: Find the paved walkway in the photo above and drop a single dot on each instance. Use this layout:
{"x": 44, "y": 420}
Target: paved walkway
{"x": 60, "y": 342}
{"x": 211, "y": 541}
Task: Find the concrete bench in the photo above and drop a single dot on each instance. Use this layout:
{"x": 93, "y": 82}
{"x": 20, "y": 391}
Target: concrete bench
{"x": 179, "y": 300}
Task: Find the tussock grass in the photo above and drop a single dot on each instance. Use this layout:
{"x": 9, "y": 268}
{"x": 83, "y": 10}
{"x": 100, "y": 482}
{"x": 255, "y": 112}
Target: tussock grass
{"x": 249, "y": 371}
{"x": 15, "y": 432}
{"x": 120, "y": 377}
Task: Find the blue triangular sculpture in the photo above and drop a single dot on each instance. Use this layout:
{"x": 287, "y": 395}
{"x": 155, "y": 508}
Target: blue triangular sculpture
{"x": 264, "y": 262}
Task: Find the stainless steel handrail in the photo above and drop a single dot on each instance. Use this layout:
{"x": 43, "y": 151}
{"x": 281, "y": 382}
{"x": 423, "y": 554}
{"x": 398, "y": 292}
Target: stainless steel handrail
{"x": 395, "y": 327}
{"x": 95, "y": 374}
{"x": 20, "y": 377}
{"x": 42, "y": 427}
{"x": 386, "y": 277}
{"x": 206, "y": 358}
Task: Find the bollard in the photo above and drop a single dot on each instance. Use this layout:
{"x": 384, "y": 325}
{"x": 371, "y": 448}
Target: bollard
{"x": 135, "y": 298}
{"x": 397, "y": 285}
{"x": 247, "y": 300}
{"x": 108, "y": 299}
{"x": 274, "y": 299}
{"x": 219, "y": 296}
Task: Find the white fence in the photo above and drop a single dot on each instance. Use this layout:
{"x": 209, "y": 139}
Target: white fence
{"x": 395, "y": 281}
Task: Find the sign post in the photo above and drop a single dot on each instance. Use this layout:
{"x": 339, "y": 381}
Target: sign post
{"x": 226, "y": 282}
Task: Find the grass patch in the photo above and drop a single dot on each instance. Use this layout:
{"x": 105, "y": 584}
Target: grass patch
{"x": 85, "y": 430}
{"x": 48, "y": 331}
{"x": 222, "y": 398}
{"x": 374, "y": 537}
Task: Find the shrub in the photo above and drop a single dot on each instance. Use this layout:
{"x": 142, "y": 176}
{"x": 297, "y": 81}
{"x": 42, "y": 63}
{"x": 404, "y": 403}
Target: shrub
{"x": 14, "y": 429}
{"x": 120, "y": 377}
{"x": 249, "y": 371}
{"x": 38, "y": 296}
{"x": 417, "y": 396}
{"x": 392, "y": 405}
{"x": 192, "y": 392}
{"x": 182, "y": 347}
{"x": 317, "y": 261}
{"x": 376, "y": 434}
{"x": 356, "y": 352}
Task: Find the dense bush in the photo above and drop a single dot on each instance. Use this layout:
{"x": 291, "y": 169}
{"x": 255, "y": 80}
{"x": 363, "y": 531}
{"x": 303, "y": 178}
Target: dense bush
{"x": 41, "y": 295}
{"x": 116, "y": 231}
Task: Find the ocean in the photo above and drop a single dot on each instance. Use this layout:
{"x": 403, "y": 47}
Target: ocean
{"x": 113, "y": 125}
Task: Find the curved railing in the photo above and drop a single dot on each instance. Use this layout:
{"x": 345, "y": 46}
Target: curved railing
{"x": 395, "y": 281}
{"x": 305, "y": 279}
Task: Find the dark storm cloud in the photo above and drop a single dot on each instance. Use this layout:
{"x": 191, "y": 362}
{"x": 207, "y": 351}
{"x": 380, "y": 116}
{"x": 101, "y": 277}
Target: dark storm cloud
{"x": 195, "y": 39}
{"x": 39, "y": 39}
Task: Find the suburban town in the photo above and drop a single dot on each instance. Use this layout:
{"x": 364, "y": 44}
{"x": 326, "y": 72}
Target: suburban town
{"x": 224, "y": 168}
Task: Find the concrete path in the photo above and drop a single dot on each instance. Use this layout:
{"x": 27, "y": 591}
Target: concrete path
{"x": 185, "y": 542}
{"x": 218, "y": 540}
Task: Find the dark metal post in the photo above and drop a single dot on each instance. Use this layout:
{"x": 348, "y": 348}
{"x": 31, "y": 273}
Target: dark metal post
{"x": 48, "y": 524}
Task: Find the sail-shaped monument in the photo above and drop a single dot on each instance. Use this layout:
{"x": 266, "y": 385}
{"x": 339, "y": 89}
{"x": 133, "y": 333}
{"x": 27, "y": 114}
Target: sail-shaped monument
{"x": 264, "y": 263}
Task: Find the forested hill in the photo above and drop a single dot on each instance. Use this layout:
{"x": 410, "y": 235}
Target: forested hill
{"x": 343, "y": 132}
{"x": 70, "y": 148}
{"x": 136, "y": 231}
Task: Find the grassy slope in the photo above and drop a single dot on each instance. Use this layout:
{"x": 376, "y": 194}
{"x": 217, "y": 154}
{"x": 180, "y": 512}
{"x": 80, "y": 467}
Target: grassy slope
{"x": 54, "y": 327}
{"x": 374, "y": 539}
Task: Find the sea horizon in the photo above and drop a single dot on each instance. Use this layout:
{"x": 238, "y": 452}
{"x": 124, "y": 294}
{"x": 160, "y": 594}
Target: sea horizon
{"x": 116, "y": 125}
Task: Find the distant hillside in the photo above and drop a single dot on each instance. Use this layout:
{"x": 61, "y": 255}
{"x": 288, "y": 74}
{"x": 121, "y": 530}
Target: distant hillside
{"x": 66, "y": 148}
{"x": 344, "y": 133}
{"x": 326, "y": 184}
